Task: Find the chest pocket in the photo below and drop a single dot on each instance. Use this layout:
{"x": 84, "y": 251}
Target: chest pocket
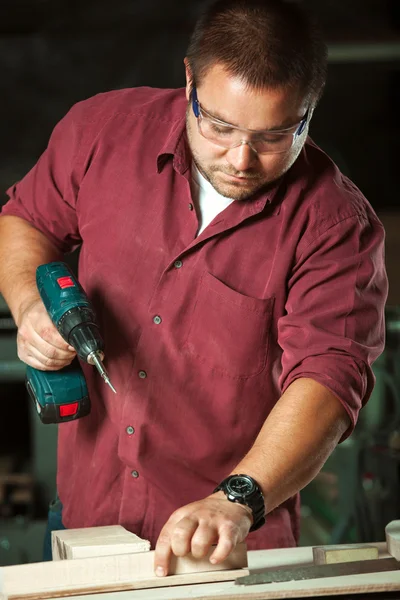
{"x": 229, "y": 331}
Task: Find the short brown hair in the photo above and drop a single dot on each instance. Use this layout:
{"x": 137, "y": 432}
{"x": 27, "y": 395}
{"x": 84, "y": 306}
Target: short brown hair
{"x": 266, "y": 43}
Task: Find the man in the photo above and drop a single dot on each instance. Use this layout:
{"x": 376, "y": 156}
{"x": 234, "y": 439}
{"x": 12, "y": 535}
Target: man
{"x": 238, "y": 280}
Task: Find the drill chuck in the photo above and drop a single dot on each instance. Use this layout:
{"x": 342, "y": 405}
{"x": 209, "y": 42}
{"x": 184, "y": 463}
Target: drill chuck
{"x": 78, "y": 327}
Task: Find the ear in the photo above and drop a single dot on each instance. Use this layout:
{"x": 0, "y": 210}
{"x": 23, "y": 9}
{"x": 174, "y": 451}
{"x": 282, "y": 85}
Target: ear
{"x": 189, "y": 79}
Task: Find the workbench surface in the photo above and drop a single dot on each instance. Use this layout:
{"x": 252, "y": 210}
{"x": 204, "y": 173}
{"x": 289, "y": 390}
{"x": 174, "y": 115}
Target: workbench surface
{"x": 374, "y": 583}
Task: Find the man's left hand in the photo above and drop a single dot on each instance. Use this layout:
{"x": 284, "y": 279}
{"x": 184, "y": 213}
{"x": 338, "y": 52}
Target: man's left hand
{"x": 198, "y": 526}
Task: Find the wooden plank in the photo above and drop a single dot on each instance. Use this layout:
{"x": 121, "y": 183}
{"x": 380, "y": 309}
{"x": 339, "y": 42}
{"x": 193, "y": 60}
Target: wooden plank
{"x": 95, "y": 541}
{"x": 392, "y": 531}
{"x": 276, "y": 558}
{"x": 362, "y": 585}
{"x": 329, "y": 555}
{"x": 226, "y": 590}
{"x": 120, "y": 572}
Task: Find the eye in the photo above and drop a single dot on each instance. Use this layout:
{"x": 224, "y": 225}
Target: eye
{"x": 220, "y": 129}
{"x": 272, "y": 139}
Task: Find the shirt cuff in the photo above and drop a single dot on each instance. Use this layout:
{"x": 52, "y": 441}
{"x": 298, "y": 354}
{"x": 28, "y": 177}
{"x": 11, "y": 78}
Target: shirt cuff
{"x": 349, "y": 380}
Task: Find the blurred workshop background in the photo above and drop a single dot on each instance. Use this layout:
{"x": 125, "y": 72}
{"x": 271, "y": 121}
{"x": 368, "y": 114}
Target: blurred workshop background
{"x": 54, "y": 53}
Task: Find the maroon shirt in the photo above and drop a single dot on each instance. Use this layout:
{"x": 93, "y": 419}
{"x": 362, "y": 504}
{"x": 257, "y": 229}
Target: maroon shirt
{"x": 202, "y": 335}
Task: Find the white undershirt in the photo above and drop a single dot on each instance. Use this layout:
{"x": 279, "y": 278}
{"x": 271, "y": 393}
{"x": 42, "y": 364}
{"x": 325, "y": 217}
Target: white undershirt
{"x": 209, "y": 202}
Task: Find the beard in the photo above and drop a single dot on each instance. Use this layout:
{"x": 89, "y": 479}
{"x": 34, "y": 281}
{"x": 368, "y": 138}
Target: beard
{"x": 233, "y": 190}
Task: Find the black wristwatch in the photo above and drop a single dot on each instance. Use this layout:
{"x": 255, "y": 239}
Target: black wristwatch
{"x": 245, "y": 490}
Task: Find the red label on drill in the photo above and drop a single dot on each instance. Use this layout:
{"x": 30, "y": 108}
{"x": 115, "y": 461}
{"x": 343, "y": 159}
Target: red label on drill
{"x": 65, "y": 282}
{"x": 67, "y": 410}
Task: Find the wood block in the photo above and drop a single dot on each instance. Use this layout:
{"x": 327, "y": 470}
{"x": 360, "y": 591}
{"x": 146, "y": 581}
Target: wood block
{"x": 113, "y": 573}
{"x": 95, "y": 541}
{"x": 392, "y": 531}
{"x": 328, "y": 555}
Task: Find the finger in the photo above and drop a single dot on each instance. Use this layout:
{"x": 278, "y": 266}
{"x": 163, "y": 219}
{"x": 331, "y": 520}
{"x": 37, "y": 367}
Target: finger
{"x": 181, "y": 536}
{"x": 36, "y": 364}
{"x": 40, "y": 328}
{"x": 51, "y": 336}
{"x": 45, "y": 365}
{"x": 203, "y": 539}
{"x": 162, "y": 554}
{"x": 49, "y": 354}
{"x": 228, "y": 538}
{"x": 28, "y": 353}
{"x": 36, "y": 345}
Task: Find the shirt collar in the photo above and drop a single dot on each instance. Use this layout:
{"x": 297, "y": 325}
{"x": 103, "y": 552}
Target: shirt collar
{"x": 175, "y": 147}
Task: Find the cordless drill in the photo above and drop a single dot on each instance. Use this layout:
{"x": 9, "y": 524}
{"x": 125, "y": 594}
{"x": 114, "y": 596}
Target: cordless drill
{"x": 62, "y": 395}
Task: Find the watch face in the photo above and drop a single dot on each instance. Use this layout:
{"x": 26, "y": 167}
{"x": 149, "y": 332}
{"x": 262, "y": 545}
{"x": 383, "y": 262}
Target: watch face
{"x": 240, "y": 485}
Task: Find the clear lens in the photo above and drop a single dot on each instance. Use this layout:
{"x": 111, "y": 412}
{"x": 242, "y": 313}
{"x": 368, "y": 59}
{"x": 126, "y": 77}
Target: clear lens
{"x": 229, "y": 137}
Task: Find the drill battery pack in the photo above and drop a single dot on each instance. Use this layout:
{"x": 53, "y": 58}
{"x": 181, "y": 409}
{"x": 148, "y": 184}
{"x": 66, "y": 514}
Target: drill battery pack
{"x": 59, "y": 396}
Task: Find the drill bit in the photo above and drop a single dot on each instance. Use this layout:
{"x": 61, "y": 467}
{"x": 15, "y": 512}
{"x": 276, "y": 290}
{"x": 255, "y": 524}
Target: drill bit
{"x": 96, "y": 361}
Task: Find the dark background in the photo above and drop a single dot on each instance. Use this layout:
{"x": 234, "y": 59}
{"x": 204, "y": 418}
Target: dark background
{"x": 54, "y": 53}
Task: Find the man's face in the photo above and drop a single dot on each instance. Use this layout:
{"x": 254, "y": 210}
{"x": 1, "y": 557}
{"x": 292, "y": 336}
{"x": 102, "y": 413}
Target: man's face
{"x": 240, "y": 172}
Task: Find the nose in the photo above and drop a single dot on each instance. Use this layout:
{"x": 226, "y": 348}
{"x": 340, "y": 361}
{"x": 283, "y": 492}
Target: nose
{"x": 242, "y": 157}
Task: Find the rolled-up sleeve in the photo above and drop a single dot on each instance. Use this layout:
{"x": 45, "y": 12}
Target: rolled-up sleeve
{"x": 46, "y": 196}
{"x": 334, "y": 326}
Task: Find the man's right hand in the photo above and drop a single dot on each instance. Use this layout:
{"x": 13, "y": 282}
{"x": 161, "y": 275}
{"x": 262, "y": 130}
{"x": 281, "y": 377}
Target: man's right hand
{"x": 38, "y": 341}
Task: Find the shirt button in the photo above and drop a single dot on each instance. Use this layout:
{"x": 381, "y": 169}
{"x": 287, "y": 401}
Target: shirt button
{"x": 142, "y": 374}
{"x": 130, "y": 430}
{"x": 135, "y": 474}
{"x": 157, "y": 319}
{"x": 190, "y": 206}
{"x": 178, "y": 264}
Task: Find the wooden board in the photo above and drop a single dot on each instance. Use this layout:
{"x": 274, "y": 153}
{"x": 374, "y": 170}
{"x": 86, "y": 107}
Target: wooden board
{"x": 362, "y": 585}
{"x": 120, "y": 572}
{"x": 95, "y": 541}
{"x": 392, "y": 532}
{"x": 329, "y": 555}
